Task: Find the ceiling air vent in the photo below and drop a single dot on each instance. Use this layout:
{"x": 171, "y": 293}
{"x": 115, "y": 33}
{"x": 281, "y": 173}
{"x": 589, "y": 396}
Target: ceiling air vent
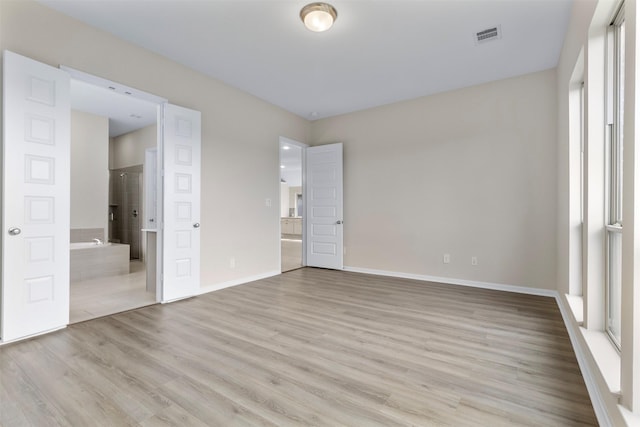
{"x": 489, "y": 34}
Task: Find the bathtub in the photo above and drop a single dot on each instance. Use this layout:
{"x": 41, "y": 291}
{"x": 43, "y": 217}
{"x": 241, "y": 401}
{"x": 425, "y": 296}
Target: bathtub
{"x": 89, "y": 260}
{"x": 83, "y": 245}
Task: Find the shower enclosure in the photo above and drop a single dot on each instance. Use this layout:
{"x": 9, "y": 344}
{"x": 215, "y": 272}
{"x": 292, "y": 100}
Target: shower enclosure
{"x": 125, "y": 208}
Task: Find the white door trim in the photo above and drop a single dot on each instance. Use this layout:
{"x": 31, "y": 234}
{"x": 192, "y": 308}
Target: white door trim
{"x": 117, "y": 87}
{"x": 285, "y": 140}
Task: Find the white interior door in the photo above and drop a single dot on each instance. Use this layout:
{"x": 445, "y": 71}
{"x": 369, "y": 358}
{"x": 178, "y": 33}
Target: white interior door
{"x": 35, "y": 197}
{"x": 181, "y": 203}
{"x": 324, "y": 206}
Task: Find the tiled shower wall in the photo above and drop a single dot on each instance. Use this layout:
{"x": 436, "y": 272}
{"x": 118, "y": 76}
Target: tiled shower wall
{"x": 86, "y": 234}
{"x": 125, "y": 208}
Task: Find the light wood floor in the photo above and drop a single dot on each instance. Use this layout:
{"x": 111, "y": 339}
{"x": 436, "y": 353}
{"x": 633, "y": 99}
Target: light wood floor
{"x": 102, "y": 296}
{"x": 309, "y": 347}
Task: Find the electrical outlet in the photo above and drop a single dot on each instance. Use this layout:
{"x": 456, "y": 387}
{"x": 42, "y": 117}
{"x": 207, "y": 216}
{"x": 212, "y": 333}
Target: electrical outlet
{"x": 474, "y": 260}
{"x": 267, "y": 203}
{"x": 446, "y": 258}
{"x": 232, "y": 262}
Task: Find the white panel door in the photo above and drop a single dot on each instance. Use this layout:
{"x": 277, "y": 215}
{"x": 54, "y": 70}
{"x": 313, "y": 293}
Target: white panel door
{"x": 324, "y": 206}
{"x": 181, "y": 204}
{"x": 35, "y": 197}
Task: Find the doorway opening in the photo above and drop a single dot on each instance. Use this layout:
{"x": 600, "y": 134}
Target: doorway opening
{"x": 111, "y": 130}
{"x": 292, "y": 204}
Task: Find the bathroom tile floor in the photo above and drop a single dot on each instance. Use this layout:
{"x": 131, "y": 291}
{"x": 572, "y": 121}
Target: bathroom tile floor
{"x": 108, "y": 295}
{"x": 291, "y": 254}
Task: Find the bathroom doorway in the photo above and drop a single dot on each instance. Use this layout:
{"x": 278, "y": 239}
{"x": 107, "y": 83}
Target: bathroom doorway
{"x": 110, "y": 132}
{"x": 40, "y": 257}
{"x": 292, "y": 205}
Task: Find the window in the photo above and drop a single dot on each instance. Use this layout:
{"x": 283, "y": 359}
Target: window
{"x": 583, "y": 189}
{"x": 615, "y": 138}
{"x": 582, "y": 159}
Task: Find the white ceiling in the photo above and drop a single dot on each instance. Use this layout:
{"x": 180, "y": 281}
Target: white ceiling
{"x": 378, "y": 52}
{"x": 125, "y": 113}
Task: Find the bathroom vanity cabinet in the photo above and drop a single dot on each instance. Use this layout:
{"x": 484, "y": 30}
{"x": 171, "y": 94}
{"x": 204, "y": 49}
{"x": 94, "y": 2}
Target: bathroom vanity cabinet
{"x": 291, "y": 225}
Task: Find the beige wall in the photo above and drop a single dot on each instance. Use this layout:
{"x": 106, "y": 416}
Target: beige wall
{"x": 470, "y": 173}
{"x": 240, "y": 133}
{"x": 128, "y": 149}
{"x": 466, "y": 172}
{"x": 89, "y": 170}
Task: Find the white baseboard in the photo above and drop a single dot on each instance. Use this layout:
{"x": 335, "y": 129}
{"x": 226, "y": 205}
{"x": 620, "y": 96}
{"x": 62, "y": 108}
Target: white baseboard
{"x": 236, "y": 282}
{"x": 595, "y": 393}
{"x": 459, "y": 282}
{"x": 48, "y": 331}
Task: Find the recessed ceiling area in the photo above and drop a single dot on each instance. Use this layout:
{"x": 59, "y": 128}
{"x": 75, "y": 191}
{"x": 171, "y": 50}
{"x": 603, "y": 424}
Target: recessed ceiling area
{"x": 290, "y": 164}
{"x": 376, "y": 53}
{"x": 125, "y": 113}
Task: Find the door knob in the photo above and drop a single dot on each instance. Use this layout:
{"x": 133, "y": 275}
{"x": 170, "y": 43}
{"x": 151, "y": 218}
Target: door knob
{"x": 196, "y": 225}
{"x": 338, "y": 222}
{"x": 14, "y": 231}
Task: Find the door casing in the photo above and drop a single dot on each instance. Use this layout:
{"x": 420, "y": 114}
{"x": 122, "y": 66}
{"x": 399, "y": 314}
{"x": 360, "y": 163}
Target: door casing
{"x": 284, "y": 140}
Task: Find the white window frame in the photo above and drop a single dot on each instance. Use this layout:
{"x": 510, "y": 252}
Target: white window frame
{"x": 614, "y": 162}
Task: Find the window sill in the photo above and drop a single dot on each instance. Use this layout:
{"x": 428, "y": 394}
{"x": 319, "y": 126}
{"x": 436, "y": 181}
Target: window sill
{"x": 606, "y": 357}
{"x": 575, "y": 303}
{"x": 602, "y": 349}
{"x": 630, "y": 418}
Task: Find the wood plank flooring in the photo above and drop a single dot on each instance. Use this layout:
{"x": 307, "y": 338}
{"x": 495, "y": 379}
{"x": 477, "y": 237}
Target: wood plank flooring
{"x": 309, "y": 347}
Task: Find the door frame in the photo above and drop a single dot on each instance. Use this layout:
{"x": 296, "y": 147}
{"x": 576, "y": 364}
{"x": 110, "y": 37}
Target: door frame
{"x": 303, "y": 146}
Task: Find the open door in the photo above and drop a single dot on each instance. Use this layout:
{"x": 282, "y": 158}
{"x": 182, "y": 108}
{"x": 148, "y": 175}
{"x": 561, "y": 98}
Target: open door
{"x": 324, "y": 206}
{"x": 181, "y": 202}
{"x": 35, "y": 198}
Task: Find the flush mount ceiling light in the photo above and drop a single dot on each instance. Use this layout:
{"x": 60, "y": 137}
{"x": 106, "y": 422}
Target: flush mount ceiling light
{"x": 318, "y": 16}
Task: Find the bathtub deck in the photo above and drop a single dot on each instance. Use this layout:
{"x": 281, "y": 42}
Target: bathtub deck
{"x": 108, "y": 295}
{"x": 97, "y": 261}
